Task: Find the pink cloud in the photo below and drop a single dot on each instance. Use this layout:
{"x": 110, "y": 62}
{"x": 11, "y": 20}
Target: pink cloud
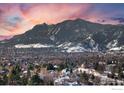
{"x": 53, "y": 13}
{"x": 32, "y": 14}
{"x": 5, "y": 37}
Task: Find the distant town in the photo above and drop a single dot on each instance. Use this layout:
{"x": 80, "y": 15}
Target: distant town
{"x": 44, "y": 67}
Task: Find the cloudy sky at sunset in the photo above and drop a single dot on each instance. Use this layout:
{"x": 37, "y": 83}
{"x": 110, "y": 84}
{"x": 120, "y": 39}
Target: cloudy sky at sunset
{"x": 18, "y": 18}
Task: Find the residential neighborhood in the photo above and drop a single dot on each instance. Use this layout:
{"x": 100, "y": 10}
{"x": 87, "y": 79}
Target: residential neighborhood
{"x": 44, "y": 67}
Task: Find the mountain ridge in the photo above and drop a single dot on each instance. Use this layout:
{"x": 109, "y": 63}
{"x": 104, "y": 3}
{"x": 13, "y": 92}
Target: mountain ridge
{"x": 78, "y": 32}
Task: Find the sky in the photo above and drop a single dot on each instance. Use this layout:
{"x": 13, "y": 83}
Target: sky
{"x": 18, "y": 18}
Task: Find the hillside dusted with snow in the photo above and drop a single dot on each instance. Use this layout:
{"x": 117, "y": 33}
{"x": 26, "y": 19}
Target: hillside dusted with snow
{"x": 71, "y": 36}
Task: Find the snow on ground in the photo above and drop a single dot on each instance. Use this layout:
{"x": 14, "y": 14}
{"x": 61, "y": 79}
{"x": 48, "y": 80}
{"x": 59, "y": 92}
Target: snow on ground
{"x": 64, "y": 72}
{"x": 112, "y": 44}
{"x": 52, "y": 38}
{"x": 65, "y": 45}
{"x": 60, "y": 80}
{"x": 69, "y": 47}
{"x": 57, "y": 31}
{"x": 76, "y": 49}
{"x": 72, "y": 83}
{"x": 64, "y": 78}
{"x": 38, "y": 45}
{"x": 115, "y": 48}
{"x": 104, "y": 78}
{"x": 88, "y": 71}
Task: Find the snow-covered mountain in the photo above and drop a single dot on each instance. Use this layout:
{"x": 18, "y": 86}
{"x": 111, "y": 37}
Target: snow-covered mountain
{"x": 71, "y": 36}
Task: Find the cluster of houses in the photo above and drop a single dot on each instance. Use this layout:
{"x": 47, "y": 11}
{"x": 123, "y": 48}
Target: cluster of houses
{"x": 60, "y": 68}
